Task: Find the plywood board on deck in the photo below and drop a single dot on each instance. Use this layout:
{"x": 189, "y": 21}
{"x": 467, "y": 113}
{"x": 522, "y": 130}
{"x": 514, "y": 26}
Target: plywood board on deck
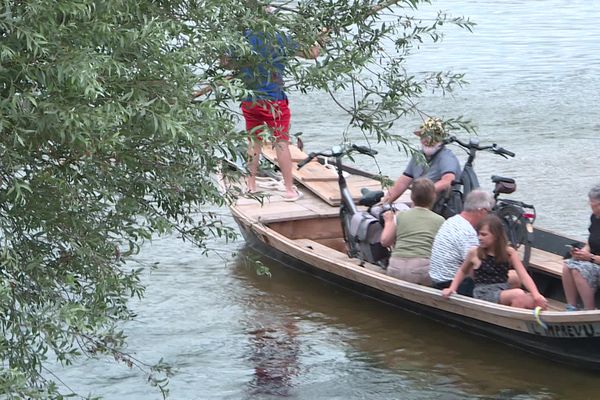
{"x": 273, "y": 208}
{"x": 320, "y": 180}
{"x": 296, "y": 153}
{"x": 314, "y": 171}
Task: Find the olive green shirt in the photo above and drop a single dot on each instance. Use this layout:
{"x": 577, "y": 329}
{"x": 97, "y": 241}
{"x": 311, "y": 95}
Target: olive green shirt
{"x": 415, "y": 230}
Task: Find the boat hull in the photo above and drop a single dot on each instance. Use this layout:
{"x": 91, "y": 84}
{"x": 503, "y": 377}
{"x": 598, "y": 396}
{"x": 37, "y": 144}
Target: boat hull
{"x": 577, "y": 344}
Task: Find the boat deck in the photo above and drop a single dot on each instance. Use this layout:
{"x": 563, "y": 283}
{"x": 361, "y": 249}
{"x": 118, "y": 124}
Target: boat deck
{"x": 307, "y": 235}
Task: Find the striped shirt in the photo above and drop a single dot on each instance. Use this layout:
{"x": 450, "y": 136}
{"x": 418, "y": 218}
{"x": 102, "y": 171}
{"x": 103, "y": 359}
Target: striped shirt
{"x": 450, "y": 247}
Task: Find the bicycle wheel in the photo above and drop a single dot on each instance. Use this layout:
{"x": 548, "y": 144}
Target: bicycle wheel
{"x": 515, "y": 225}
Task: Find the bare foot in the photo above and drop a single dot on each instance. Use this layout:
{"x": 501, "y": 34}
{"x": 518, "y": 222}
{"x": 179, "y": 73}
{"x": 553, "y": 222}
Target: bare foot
{"x": 292, "y": 195}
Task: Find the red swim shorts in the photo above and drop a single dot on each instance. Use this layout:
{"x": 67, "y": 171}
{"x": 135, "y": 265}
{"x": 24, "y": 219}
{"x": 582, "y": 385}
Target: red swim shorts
{"x": 273, "y": 113}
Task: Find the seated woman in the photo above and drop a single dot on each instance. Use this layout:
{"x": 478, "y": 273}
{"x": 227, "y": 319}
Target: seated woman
{"x": 581, "y": 274}
{"x": 411, "y": 233}
{"x": 489, "y": 263}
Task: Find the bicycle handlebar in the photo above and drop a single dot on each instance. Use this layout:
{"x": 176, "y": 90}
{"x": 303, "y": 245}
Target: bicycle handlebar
{"x": 475, "y": 146}
{"x": 338, "y": 152}
{"x": 503, "y": 152}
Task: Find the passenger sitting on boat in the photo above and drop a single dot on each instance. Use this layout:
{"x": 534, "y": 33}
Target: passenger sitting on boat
{"x": 490, "y": 263}
{"x": 454, "y": 239}
{"x": 411, "y": 234}
{"x": 581, "y": 273}
{"x": 435, "y": 162}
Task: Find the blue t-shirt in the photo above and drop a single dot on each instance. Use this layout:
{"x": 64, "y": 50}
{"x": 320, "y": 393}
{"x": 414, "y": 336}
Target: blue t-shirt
{"x": 266, "y": 79}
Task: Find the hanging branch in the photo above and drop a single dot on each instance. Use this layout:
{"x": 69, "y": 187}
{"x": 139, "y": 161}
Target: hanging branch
{"x": 322, "y": 38}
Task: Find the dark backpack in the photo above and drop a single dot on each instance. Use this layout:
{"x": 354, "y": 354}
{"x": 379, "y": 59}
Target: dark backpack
{"x": 449, "y": 203}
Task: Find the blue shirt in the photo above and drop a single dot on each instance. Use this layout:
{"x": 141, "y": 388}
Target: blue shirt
{"x": 266, "y": 79}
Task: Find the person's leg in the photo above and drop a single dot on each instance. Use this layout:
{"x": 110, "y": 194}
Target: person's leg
{"x": 569, "y": 286}
{"x": 254, "y": 120}
{"x": 284, "y": 160}
{"x": 441, "y": 285}
{"x": 254, "y": 150}
{"x": 585, "y": 290}
{"x": 281, "y": 126}
{"x": 524, "y": 301}
{"x": 516, "y": 298}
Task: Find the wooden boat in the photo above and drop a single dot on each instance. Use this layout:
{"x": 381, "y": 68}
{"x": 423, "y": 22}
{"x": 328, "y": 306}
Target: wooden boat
{"x": 307, "y": 235}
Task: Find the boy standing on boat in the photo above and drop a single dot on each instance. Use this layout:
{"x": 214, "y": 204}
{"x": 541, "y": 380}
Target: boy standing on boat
{"x": 267, "y": 106}
{"x": 435, "y": 162}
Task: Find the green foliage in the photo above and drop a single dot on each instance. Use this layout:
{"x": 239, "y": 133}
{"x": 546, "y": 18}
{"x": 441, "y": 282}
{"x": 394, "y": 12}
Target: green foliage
{"x": 364, "y": 51}
{"x": 101, "y": 148}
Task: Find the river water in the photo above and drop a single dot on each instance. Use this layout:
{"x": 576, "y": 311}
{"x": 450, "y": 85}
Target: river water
{"x": 533, "y": 68}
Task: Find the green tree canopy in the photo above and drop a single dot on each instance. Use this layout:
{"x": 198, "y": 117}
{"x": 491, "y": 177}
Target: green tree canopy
{"x": 102, "y": 149}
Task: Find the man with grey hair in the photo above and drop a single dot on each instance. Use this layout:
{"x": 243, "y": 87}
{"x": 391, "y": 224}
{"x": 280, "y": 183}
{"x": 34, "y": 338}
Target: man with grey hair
{"x": 454, "y": 239}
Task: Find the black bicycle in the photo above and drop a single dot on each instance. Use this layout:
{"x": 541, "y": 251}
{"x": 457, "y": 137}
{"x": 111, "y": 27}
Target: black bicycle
{"x": 361, "y": 229}
{"x": 518, "y": 217}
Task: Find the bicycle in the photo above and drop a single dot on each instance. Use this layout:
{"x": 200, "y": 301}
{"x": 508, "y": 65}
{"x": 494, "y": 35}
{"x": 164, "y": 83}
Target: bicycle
{"x": 518, "y": 217}
{"x": 361, "y": 229}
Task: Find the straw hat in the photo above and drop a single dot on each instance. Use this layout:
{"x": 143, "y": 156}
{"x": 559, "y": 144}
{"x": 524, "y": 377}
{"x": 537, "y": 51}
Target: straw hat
{"x": 432, "y": 129}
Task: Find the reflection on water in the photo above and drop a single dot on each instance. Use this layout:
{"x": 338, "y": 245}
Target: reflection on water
{"x": 275, "y": 352}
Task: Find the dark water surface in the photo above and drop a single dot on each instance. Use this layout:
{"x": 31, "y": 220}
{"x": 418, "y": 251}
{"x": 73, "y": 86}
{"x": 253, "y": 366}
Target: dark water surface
{"x": 230, "y": 334}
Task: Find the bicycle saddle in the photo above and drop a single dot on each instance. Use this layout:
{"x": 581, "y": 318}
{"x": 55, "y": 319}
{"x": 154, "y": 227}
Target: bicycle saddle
{"x": 370, "y": 197}
{"x": 496, "y": 179}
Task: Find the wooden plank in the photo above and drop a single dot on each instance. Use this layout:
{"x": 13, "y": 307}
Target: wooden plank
{"x": 337, "y": 244}
{"x": 270, "y": 153}
{"x": 274, "y": 209}
{"x": 545, "y": 261}
{"x": 314, "y": 171}
{"x": 316, "y": 228}
{"x": 555, "y": 305}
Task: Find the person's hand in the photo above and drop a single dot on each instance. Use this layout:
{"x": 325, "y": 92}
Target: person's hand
{"x": 389, "y": 216}
{"x": 581, "y": 255}
{"x": 540, "y": 300}
{"x": 385, "y": 199}
{"x": 447, "y": 292}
